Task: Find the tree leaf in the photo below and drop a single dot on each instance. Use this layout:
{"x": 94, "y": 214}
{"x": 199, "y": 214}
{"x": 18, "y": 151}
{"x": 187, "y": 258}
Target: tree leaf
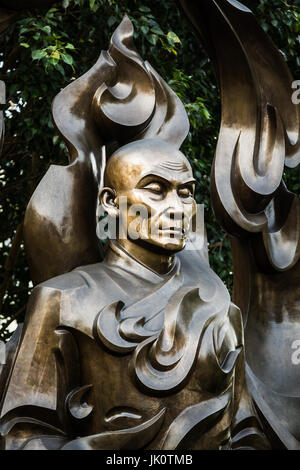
{"x": 111, "y": 21}
{"x": 157, "y": 30}
{"x": 67, "y": 58}
{"x": 145, "y": 29}
{"x": 144, "y": 9}
{"x": 152, "y": 38}
{"x": 173, "y": 38}
{"x": 38, "y": 54}
{"x": 60, "y": 68}
{"x": 55, "y": 55}
{"x": 46, "y": 29}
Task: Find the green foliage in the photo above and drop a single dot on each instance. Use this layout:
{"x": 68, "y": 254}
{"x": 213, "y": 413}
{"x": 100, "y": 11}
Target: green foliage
{"x": 45, "y": 49}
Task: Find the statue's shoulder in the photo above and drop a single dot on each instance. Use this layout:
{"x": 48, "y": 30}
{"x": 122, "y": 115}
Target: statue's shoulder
{"x": 86, "y": 287}
{"x": 64, "y": 297}
{"x": 83, "y": 277}
{"x": 82, "y": 283}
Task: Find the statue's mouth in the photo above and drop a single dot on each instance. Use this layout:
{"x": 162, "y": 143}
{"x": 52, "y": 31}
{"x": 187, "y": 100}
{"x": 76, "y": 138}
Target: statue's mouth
{"x": 178, "y": 231}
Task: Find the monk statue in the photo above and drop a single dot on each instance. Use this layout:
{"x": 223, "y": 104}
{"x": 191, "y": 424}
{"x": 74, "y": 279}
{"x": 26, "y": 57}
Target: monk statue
{"x": 134, "y": 344}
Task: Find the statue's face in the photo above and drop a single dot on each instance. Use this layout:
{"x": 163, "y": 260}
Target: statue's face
{"x": 154, "y": 180}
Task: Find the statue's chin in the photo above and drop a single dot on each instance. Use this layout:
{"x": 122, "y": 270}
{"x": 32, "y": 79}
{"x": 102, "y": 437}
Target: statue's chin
{"x": 164, "y": 246}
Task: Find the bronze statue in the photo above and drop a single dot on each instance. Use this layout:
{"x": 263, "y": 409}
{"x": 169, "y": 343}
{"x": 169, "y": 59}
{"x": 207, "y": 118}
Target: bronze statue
{"x": 143, "y": 350}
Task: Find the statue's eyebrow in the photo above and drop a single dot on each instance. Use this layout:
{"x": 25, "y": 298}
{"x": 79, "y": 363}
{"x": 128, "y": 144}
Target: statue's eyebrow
{"x": 148, "y": 176}
{"x": 165, "y": 180}
{"x": 188, "y": 181}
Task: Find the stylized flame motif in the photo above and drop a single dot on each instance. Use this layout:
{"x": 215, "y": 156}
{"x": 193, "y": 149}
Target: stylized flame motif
{"x": 196, "y": 321}
{"x": 259, "y": 135}
{"x": 137, "y": 103}
{"x": 260, "y": 127}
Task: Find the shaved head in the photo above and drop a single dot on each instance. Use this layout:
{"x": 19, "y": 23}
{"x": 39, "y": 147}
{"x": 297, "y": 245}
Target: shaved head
{"x": 149, "y": 191}
{"x": 131, "y": 162}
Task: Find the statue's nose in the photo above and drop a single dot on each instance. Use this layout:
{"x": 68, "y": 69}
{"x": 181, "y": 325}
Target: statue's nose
{"x": 175, "y": 206}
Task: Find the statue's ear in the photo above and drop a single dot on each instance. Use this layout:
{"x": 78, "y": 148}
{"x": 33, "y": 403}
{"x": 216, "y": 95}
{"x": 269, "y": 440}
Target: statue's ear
{"x": 107, "y": 198}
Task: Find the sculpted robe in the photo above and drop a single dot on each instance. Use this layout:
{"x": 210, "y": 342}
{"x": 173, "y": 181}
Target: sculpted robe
{"x": 115, "y": 356}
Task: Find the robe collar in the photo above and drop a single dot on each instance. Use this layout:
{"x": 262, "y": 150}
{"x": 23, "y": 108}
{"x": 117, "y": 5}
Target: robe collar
{"x": 120, "y": 258}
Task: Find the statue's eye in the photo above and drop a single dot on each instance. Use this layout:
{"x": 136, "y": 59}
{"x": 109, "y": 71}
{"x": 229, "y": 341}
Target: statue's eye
{"x": 155, "y": 187}
{"x": 185, "y": 192}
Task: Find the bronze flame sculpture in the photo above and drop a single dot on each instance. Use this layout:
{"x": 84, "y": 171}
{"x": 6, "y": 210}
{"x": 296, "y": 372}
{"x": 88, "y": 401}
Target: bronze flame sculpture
{"x": 137, "y": 345}
{"x": 143, "y": 349}
{"x": 259, "y": 135}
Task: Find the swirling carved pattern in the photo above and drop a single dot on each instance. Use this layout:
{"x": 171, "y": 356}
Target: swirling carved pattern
{"x": 259, "y": 136}
{"x": 42, "y": 422}
{"x": 77, "y": 404}
{"x": 196, "y": 419}
{"x": 196, "y": 322}
{"x": 110, "y": 329}
{"x": 136, "y": 437}
{"x": 260, "y": 128}
{"x": 136, "y": 103}
{"x": 122, "y": 328}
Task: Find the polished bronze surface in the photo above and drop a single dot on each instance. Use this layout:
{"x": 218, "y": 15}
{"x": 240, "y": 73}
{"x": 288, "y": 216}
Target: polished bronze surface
{"x": 158, "y": 180}
{"x": 143, "y": 350}
{"x": 259, "y": 135}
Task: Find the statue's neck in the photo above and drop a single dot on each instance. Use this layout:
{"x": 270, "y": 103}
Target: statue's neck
{"x": 159, "y": 263}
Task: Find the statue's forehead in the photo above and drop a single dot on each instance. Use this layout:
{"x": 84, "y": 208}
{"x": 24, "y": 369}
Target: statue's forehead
{"x": 132, "y": 164}
{"x": 175, "y": 169}
{"x": 159, "y": 160}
